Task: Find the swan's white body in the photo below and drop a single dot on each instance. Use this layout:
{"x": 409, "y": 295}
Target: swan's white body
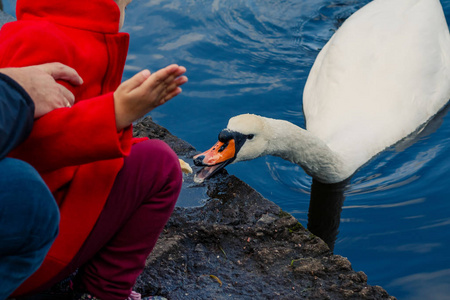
{"x": 385, "y": 72}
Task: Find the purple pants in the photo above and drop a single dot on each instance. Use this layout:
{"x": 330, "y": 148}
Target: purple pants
{"x": 136, "y": 211}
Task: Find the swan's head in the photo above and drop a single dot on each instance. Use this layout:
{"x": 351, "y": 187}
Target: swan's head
{"x": 245, "y": 138}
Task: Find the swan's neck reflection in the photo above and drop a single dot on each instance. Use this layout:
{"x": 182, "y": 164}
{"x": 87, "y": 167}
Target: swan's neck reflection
{"x": 325, "y": 210}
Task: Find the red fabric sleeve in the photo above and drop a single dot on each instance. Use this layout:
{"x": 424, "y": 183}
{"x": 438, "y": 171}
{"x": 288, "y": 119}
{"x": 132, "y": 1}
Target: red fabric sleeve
{"x": 73, "y": 136}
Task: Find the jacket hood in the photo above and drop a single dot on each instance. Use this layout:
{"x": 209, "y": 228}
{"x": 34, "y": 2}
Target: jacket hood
{"x": 93, "y": 15}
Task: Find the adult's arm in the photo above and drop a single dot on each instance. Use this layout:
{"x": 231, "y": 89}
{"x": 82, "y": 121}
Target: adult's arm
{"x": 16, "y": 114}
{"x": 30, "y": 92}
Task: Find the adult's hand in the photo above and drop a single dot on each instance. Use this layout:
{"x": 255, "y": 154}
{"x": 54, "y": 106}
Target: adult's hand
{"x": 39, "y": 82}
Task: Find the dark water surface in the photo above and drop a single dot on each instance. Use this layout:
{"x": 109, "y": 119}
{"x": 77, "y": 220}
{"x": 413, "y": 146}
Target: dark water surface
{"x": 254, "y": 57}
{"x": 247, "y": 56}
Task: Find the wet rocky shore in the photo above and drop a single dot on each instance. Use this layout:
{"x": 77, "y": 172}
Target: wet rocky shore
{"x": 239, "y": 245}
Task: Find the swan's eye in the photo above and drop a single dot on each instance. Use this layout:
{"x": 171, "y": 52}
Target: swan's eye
{"x": 250, "y": 136}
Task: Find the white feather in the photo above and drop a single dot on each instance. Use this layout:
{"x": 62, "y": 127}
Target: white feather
{"x": 385, "y": 72}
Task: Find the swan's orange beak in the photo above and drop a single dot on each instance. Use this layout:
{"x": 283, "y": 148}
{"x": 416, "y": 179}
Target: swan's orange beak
{"x": 216, "y": 158}
{"x": 219, "y": 153}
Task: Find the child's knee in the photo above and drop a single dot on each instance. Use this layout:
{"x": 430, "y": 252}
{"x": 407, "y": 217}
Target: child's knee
{"x": 169, "y": 162}
{"x": 158, "y": 157}
{"x": 158, "y": 171}
{"x": 160, "y": 153}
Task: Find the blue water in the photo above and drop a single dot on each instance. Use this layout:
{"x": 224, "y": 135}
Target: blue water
{"x": 246, "y": 56}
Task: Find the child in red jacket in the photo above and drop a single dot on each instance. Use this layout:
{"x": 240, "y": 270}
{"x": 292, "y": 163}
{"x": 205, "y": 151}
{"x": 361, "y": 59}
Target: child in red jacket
{"x": 115, "y": 193}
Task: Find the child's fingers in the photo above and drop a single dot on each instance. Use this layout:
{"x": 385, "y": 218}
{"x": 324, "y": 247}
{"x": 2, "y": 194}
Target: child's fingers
{"x": 157, "y": 80}
{"x": 177, "y": 74}
{"x": 167, "y": 74}
{"x": 162, "y": 85}
{"x": 175, "y": 83}
{"x": 180, "y": 71}
{"x": 160, "y": 80}
{"x": 172, "y": 89}
{"x": 170, "y": 68}
{"x": 173, "y": 69}
{"x": 170, "y": 95}
{"x": 174, "y": 79}
{"x": 136, "y": 81}
{"x": 181, "y": 80}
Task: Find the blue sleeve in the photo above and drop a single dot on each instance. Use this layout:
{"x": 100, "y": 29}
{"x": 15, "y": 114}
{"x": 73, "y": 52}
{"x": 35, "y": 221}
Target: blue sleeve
{"x": 16, "y": 114}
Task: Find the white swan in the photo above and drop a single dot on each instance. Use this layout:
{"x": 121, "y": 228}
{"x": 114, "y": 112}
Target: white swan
{"x": 384, "y": 73}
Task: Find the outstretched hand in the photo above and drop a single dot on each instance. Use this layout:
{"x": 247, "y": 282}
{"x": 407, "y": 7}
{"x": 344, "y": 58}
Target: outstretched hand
{"x": 145, "y": 91}
{"x": 39, "y": 82}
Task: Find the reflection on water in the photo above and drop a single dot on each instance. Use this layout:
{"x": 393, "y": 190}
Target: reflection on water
{"x": 408, "y": 172}
{"x": 425, "y": 285}
{"x": 192, "y": 194}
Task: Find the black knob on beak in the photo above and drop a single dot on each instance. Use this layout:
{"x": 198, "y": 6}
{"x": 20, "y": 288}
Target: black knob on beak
{"x": 226, "y": 135}
{"x": 198, "y": 160}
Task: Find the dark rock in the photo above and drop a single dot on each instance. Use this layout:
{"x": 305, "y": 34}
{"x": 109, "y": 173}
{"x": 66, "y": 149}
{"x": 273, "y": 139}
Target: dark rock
{"x": 148, "y": 128}
{"x": 239, "y": 245}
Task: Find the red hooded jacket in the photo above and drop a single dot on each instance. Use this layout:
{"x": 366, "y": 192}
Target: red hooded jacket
{"x": 77, "y": 150}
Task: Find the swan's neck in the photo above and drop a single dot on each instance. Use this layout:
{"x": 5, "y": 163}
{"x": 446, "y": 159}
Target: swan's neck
{"x": 301, "y": 147}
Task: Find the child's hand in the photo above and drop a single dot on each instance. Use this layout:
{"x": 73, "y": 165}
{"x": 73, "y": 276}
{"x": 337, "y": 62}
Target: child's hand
{"x": 144, "y": 91}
